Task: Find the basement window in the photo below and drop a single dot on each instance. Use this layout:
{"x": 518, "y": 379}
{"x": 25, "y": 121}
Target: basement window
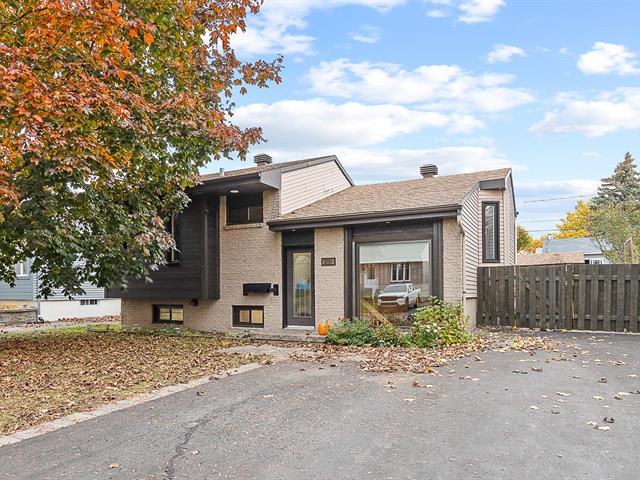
{"x": 168, "y": 314}
{"x": 248, "y": 316}
{"x": 88, "y": 301}
{"x": 244, "y": 209}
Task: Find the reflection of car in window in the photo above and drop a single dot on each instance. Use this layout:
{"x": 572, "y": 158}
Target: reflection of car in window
{"x": 403, "y": 295}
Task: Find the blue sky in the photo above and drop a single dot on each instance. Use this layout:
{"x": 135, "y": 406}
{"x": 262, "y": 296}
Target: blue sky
{"x": 549, "y": 88}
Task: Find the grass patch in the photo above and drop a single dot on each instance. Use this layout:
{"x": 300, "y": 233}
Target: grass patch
{"x": 51, "y": 373}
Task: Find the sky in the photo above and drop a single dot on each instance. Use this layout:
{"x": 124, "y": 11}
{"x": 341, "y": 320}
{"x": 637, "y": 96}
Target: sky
{"x": 550, "y": 88}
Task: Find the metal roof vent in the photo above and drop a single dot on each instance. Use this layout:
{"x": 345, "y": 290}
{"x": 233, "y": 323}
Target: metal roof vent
{"x": 262, "y": 160}
{"x": 429, "y": 170}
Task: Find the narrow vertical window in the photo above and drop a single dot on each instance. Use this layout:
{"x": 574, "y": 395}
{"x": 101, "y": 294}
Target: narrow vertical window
{"x": 490, "y": 232}
{"x": 173, "y": 227}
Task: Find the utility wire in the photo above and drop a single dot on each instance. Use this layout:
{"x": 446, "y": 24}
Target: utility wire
{"x": 538, "y": 200}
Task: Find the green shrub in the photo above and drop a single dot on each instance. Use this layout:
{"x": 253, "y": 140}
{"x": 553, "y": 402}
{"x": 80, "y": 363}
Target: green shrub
{"x": 439, "y": 322}
{"x": 387, "y": 335}
{"x": 351, "y": 332}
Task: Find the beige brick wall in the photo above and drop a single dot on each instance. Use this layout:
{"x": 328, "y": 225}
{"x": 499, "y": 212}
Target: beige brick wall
{"x": 248, "y": 253}
{"x": 329, "y": 280}
{"x": 452, "y": 260}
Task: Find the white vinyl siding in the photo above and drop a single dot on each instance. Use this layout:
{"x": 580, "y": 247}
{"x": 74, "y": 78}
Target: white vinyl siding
{"x": 306, "y": 185}
{"x": 469, "y": 221}
{"x": 510, "y": 230}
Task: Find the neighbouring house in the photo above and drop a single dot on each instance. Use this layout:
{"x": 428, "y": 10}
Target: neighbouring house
{"x": 24, "y": 296}
{"x": 530, "y": 259}
{"x": 286, "y": 245}
{"x": 589, "y": 247}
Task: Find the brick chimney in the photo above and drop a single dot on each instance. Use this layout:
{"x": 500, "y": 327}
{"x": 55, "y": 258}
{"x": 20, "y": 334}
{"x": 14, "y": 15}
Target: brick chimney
{"x": 429, "y": 170}
{"x": 262, "y": 160}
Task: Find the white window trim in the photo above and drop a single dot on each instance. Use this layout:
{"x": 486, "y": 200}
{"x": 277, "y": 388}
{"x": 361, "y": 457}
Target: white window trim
{"x": 407, "y": 271}
{"x": 22, "y": 269}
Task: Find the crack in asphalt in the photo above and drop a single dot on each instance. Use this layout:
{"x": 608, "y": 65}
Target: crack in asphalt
{"x": 181, "y": 447}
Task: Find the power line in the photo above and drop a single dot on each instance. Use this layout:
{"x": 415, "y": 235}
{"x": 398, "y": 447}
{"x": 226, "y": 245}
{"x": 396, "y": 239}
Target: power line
{"x": 537, "y": 200}
{"x": 541, "y": 220}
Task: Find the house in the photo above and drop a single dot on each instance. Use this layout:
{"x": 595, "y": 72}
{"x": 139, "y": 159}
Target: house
{"x": 287, "y": 245}
{"x": 24, "y": 295}
{"x": 530, "y": 259}
{"x": 589, "y": 247}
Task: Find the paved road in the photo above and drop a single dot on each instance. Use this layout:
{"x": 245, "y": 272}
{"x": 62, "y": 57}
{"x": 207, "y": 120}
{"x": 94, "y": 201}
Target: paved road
{"x": 281, "y": 422}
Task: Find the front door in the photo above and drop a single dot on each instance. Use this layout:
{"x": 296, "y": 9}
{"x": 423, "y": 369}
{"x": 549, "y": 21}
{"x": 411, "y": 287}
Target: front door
{"x": 299, "y": 279}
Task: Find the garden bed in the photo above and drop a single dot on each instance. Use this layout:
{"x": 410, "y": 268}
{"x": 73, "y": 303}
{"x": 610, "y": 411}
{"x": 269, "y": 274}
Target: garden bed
{"x": 423, "y": 360}
{"x": 47, "y": 375}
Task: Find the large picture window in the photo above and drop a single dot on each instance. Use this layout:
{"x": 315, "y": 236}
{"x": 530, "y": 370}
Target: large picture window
{"x": 168, "y": 313}
{"x": 244, "y": 209}
{"x": 490, "y": 232}
{"x": 394, "y": 279}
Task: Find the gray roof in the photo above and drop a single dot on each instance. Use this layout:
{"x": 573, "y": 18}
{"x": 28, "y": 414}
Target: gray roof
{"x": 585, "y": 245}
{"x": 549, "y": 258}
{"x": 385, "y": 198}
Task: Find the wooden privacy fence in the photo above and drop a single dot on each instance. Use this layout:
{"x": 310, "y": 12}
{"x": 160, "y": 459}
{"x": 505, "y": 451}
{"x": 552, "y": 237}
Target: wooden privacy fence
{"x": 582, "y": 297}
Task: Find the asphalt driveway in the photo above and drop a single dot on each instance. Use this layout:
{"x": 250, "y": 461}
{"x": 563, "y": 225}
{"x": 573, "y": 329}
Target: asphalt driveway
{"x": 309, "y": 421}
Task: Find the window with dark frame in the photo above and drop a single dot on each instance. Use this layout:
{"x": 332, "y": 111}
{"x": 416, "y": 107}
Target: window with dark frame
{"x": 244, "y": 209}
{"x": 173, "y": 227}
{"x": 490, "y": 232}
{"x": 168, "y": 314}
{"x": 400, "y": 272}
{"x": 248, "y": 316}
{"x": 88, "y": 301}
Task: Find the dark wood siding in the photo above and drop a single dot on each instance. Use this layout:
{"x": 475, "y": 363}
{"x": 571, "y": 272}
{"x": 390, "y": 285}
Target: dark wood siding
{"x": 197, "y": 276}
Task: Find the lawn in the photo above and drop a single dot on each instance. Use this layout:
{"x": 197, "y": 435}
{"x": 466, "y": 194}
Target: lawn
{"x": 53, "y": 373}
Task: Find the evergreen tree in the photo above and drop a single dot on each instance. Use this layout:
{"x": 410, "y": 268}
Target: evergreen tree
{"x": 622, "y": 186}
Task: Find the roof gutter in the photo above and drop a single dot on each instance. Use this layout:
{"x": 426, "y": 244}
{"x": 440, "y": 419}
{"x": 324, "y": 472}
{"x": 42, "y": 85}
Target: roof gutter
{"x": 443, "y": 211}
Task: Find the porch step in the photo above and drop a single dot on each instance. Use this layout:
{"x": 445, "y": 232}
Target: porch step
{"x": 302, "y": 336}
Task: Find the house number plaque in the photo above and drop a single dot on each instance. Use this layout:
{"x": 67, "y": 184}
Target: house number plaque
{"x": 328, "y": 261}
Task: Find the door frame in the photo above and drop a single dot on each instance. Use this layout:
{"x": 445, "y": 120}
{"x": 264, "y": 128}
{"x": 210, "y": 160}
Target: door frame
{"x": 287, "y": 277}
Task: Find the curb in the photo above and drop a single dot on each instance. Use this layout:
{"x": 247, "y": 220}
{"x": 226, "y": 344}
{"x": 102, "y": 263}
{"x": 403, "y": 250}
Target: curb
{"x": 79, "y": 417}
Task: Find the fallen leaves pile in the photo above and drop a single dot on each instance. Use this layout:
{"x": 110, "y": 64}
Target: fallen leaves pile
{"x": 422, "y": 360}
{"x": 45, "y": 376}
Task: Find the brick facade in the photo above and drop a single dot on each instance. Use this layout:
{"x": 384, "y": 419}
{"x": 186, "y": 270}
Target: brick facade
{"x": 329, "y": 286}
{"x": 248, "y": 253}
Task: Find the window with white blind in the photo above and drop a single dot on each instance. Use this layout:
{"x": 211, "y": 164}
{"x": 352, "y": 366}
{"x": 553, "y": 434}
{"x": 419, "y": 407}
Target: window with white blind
{"x": 490, "y": 232}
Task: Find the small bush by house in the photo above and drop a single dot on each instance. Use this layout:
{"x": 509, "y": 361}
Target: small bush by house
{"x": 437, "y": 323}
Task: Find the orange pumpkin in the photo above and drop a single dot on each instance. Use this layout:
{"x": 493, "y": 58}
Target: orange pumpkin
{"x": 323, "y": 327}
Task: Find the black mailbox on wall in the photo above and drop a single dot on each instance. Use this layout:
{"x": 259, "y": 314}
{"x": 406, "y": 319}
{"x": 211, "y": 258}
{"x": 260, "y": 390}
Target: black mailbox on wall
{"x": 248, "y": 288}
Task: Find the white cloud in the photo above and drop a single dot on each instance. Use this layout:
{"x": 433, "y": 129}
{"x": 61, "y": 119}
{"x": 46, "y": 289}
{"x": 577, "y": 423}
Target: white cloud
{"x": 605, "y": 113}
{"x": 437, "y": 13}
{"x": 440, "y": 86}
{"x": 366, "y": 34}
{"x": 279, "y": 26}
{"x": 504, "y": 53}
{"x": 308, "y": 125}
{"x": 469, "y": 11}
{"x": 478, "y": 11}
{"x": 608, "y": 58}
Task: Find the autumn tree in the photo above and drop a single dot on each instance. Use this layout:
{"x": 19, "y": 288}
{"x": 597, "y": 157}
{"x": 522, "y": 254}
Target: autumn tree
{"x": 615, "y": 216}
{"x": 576, "y": 223}
{"x": 107, "y": 111}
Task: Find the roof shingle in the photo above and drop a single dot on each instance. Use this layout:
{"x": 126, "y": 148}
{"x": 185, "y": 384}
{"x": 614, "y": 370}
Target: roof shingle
{"x": 400, "y": 195}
